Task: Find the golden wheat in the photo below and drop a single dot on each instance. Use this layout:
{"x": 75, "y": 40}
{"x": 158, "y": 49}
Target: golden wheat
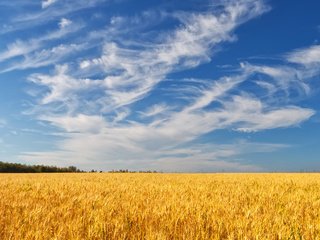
{"x": 159, "y": 206}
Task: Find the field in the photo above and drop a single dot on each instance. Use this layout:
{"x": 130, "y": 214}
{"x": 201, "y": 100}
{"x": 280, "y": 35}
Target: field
{"x": 159, "y": 206}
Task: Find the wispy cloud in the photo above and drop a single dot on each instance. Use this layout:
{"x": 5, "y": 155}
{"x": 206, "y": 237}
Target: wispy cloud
{"x": 156, "y": 110}
{"x": 305, "y": 56}
{"x": 44, "y": 57}
{"x": 25, "y": 47}
{"x": 61, "y": 86}
{"x": 57, "y": 9}
{"x": 134, "y": 72}
{"x": 281, "y": 78}
{"x": 64, "y": 22}
{"x": 47, "y": 3}
{"x": 251, "y": 115}
{"x": 80, "y": 123}
{"x": 52, "y": 10}
{"x": 18, "y": 48}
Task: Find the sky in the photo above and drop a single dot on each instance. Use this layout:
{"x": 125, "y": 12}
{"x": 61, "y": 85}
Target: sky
{"x": 173, "y": 86}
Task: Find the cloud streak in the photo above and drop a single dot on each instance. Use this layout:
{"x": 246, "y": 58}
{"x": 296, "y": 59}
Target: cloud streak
{"x": 44, "y": 57}
{"x": 47, "y": 3}
{"x": 306, "y": 56}
{"x": 136, "y": 71}
{"x": 29, "y": 49}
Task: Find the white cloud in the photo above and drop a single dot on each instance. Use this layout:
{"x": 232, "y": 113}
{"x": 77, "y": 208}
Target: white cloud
{"x": 51, "y": 11}
{"x": 155, "y": 110}
{"x": 58, "y": 9}
{"x": 306, "y": 56}
{"x": 47, "y": 3}
{"x": 64, "y": 22}
{"x": 18, "y": 48}
{"x": 61, "y": 86}
{"x": 44, "y": 57}
{"x": 85, "y": 64}
{"x": 24, "y": 48}
{"x": 283, "y": 78}
{"x": 251, "y": 115}
{"x": 80, "y": 123}
{"x": 133, "y": 73}
{"x": 121, "y": 115}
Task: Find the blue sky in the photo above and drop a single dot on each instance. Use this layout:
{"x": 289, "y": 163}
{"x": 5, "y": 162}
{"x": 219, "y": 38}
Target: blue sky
{"x": 199, "y": 86}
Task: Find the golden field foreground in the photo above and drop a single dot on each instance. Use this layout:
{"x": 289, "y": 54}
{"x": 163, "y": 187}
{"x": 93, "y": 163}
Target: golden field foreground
{"x": 159, "y": 206}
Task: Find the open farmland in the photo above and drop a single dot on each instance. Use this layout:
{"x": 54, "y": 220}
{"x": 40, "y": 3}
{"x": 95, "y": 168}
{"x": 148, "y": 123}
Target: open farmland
{"x": 159, "y": 206}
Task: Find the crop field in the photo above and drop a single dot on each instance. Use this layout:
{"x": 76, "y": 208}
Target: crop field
{"x": 159, "y": 206}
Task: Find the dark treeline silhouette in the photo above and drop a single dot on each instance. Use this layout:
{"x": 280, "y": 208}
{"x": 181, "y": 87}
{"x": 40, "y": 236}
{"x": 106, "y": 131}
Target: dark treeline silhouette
{"x": 127, "y": 171}
{"x": 22, "y": 168}
{"x": 6, "y": 167}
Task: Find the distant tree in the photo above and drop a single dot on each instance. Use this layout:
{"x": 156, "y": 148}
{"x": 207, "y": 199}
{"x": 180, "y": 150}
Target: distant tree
{"x": 22, "y": 168}
{"x": 73, "y": 169}
{"x": 127, "y": 171}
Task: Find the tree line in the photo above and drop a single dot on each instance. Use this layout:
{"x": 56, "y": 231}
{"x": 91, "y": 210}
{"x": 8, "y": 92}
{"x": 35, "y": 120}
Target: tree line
{"x": 23, "y": 168}
{"x": 128, "y": 171}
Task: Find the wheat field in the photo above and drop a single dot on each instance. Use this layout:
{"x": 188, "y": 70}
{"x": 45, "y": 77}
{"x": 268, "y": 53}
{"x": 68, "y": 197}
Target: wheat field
{"x": 159, "y": 206}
